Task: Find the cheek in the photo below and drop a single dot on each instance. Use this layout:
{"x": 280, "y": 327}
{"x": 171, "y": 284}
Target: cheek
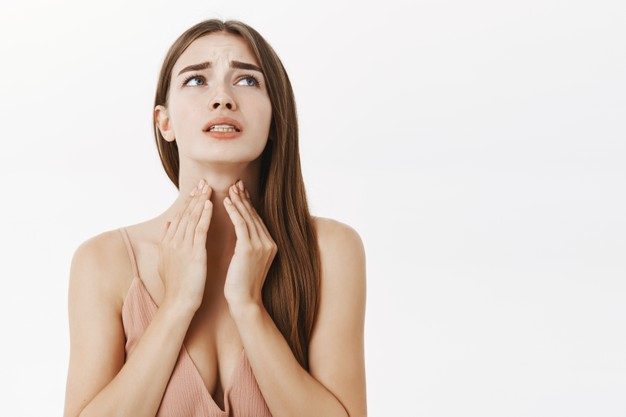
{"x": 183, "y": 114}
{"x": 265, "y": 114}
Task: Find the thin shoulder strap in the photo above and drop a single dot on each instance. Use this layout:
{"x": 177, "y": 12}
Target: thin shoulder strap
{"x": 129, "y": 247}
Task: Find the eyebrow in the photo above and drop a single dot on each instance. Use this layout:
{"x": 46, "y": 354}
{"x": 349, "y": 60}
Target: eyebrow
{"x": 208, "y": 64}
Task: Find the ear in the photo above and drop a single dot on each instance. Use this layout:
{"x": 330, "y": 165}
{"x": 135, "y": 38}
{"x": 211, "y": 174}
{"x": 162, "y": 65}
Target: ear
{"x": 162, "y": 118}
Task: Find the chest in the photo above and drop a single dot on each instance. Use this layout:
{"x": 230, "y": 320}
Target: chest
{"x": 212, "y": 341}
{"x": 214, "y": 345}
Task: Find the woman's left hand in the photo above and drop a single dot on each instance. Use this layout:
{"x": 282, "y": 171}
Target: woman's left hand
{"x": 254, "y": 251}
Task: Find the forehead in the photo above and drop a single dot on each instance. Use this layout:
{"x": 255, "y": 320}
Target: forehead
{"x": 216, "y": 46}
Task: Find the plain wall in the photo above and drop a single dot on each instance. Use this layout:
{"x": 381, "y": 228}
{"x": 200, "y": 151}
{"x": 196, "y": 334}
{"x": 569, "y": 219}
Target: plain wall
{"x": 477, "y": 147}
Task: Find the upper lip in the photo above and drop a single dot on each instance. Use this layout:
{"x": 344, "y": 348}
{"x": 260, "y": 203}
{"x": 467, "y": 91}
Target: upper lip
{"x": 222, "y": 121}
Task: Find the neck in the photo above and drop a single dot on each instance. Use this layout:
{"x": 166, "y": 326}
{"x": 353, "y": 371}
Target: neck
{"x": 221, "y": 237}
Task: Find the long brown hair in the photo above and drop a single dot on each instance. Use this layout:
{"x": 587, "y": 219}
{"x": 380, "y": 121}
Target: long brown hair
{"x": 291, "y": 288}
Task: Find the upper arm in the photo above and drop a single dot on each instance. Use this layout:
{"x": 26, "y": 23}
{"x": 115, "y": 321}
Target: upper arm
{"x": 336, "y": 350}
{"x": 96, "y": 332}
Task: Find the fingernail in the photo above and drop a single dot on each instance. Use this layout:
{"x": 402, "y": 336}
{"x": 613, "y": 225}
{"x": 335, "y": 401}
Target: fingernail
{"x": 200, "y": 184}
{"x": 241, "y": 185}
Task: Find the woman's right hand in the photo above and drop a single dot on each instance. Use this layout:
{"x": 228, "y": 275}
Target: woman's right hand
{"x": 182, "y": 251}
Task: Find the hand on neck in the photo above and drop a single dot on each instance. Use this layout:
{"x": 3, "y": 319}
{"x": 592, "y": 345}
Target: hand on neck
{"x": 219, "y": 179}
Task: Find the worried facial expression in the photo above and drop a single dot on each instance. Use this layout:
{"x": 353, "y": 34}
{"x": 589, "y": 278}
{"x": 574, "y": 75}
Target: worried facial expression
{"x": 217, "y": 76}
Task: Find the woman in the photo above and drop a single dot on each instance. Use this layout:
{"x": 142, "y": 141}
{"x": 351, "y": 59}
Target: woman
{"x": 235, "y": 301}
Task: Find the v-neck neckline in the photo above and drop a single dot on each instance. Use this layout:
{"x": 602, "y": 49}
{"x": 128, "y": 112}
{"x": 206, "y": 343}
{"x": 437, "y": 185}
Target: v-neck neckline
{"x": 227, "y": 387}
{"x": 229, "y": 384}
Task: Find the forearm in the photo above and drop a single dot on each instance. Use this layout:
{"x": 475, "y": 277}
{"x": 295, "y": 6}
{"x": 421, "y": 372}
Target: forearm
{"x": 138, "y": 387}
{"x": 288, "y": 389}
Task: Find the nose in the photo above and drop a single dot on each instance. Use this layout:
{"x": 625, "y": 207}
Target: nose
{"x": 222, "y": 98}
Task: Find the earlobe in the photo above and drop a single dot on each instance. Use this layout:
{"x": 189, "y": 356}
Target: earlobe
{"x": 162, "y": 121}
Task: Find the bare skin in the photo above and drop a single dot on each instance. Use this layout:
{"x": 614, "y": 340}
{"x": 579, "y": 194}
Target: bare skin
{"x": 186, "y": 263}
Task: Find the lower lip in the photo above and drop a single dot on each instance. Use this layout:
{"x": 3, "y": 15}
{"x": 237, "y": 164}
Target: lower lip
{"x": 223, "y": 135}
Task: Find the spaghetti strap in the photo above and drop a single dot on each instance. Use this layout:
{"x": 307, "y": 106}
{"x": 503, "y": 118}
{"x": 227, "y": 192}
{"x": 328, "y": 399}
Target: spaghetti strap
{"x": 131, "y": 253}
{"x": 186, "y": 394}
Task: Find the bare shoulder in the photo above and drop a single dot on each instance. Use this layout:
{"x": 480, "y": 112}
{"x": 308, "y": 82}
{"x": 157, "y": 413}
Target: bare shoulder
{"x": 343, "y": 262}
{"x": 101, "y": 262}
{"x": 343, "y": 272}
{"x": 98, "y": 279}
{"x": 337, "y": 241}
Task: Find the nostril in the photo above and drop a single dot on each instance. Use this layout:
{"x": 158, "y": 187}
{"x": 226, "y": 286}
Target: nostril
{"x": 228, "y": 105}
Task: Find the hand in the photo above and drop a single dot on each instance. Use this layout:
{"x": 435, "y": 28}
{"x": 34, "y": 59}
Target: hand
{"x": 254, "y": 251}
{"x": 182, "y": 251}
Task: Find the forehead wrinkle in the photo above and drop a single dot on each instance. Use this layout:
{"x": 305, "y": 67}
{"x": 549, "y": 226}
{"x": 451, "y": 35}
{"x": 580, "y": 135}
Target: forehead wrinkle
{"x": 235, "y": 64}
{"x": 217, "y": 47}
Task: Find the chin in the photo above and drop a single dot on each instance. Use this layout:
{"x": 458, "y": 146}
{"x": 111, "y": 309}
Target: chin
{"x": 226, "y": 150}
{"x": 227, "y": 157}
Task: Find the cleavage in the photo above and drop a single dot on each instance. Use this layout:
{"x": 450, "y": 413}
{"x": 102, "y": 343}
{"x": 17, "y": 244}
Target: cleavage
{"x": 216, "y": 359}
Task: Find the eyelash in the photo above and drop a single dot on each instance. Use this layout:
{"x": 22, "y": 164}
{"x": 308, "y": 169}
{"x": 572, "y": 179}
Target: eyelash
{"x": 192, "y": 76}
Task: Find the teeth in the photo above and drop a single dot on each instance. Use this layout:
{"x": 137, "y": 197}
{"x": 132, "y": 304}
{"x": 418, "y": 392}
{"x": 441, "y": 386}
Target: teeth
{"x": 222, "y": 128}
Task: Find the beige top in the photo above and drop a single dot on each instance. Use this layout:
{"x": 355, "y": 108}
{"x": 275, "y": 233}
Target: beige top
{"x": 185, "y": 394}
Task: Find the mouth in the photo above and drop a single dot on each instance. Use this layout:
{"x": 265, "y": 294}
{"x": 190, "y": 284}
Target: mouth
{"x": 222, "y": 124}
{"x": 222, "y": 128}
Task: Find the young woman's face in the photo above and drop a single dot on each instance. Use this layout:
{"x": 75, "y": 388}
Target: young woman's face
{"x": 197, "y": 96}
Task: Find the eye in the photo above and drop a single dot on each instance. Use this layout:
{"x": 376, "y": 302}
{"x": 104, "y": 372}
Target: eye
{"x": 253, "y": 78}
{"x": 193, "y": 77}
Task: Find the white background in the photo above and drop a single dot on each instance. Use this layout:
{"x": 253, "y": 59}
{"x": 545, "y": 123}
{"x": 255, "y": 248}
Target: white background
{"x": 478, "y": 147}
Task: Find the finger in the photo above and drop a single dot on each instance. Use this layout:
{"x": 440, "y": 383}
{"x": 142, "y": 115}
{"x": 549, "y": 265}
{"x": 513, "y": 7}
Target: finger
{"x": 202, "y": 229}
{"x": 171, "y": 232}
{"x": 186, "y": 216}
{"x": 259, "y": 220}
{"x": 256, "y": 218}
{"x": 241, "y": 230}
{"x": 264, "y": 234}
{"x": 245, "y": 200}
{"x": 236, "y": 198}
{"x": 194, "y": 215}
